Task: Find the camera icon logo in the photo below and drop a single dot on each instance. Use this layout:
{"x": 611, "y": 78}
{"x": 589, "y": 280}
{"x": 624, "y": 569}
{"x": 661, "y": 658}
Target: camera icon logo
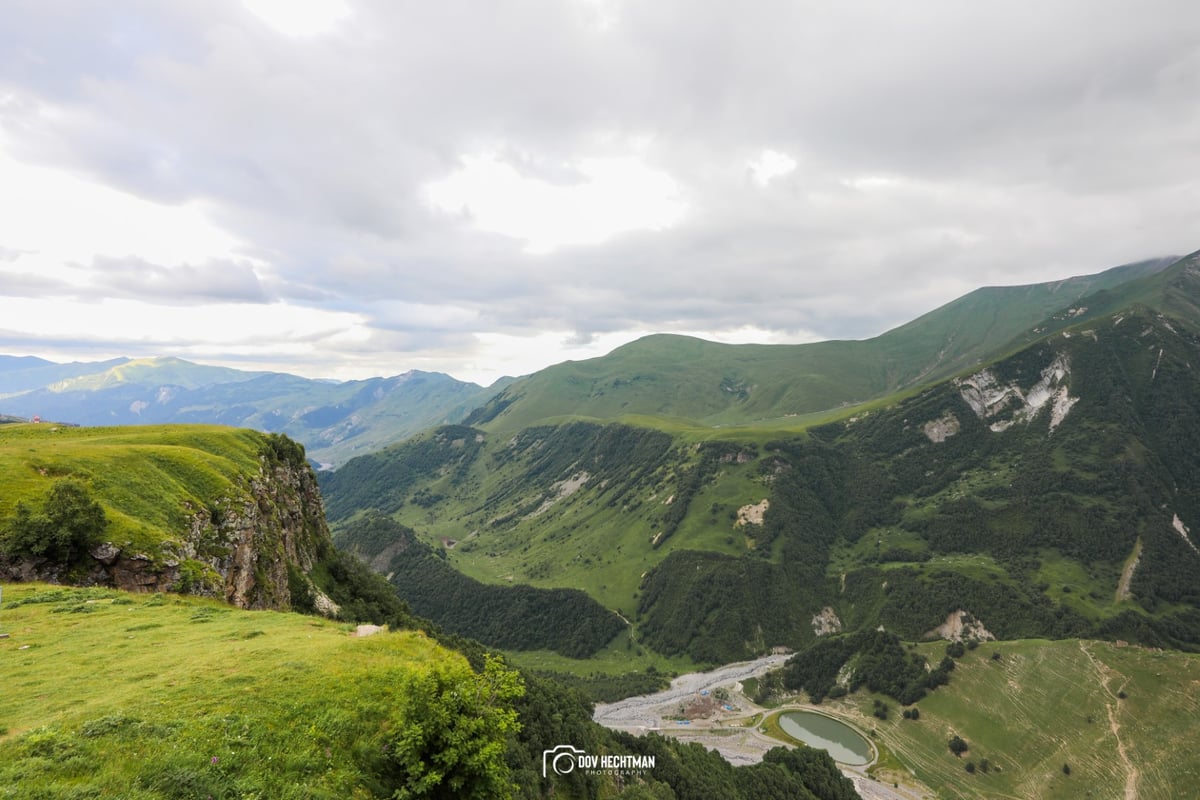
{"x": 560, "y": 760}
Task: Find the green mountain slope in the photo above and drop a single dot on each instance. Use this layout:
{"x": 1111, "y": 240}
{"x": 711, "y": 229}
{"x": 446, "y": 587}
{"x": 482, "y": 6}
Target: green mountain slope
{"x": 517, "y": 617}
{"x": 23, "y": 373}
{"x": 719, "y": 384}
{"x": 147, "y": 695}
{"x": 1051, "y": 493}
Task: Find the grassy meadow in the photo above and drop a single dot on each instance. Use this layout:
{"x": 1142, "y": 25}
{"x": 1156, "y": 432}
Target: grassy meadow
{"x": 108, "y": 694}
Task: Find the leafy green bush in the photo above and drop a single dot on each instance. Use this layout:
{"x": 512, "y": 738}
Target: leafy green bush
{"x": 69, "y": 522}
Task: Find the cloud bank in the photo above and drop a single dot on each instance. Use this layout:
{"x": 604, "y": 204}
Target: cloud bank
{"x": 361, "y": 187}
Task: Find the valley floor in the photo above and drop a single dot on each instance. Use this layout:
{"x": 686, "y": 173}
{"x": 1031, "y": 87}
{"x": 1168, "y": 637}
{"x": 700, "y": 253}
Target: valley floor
{"x": 733, "y": 728}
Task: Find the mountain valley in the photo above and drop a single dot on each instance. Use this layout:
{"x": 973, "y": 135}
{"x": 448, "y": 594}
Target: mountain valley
{"x": 983, "y": 507}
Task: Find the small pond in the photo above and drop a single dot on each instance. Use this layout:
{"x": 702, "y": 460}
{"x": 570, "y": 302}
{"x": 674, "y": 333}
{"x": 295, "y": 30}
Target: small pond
{"x": 842, "y": 742}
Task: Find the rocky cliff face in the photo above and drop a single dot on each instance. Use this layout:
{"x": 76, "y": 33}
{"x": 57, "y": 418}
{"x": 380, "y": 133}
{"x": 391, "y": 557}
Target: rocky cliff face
{"x": 248, "y": 548}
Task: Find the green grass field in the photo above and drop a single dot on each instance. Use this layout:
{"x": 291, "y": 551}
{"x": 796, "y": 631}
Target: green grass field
{"x": 1042, "y": 705}
{"x": 107, "y": 694}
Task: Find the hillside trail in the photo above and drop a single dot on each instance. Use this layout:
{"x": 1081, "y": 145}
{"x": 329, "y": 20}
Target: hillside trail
{"x": 1132, "y": 773}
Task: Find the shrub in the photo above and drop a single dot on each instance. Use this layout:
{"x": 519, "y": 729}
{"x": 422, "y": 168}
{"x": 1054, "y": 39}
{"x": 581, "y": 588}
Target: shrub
{"x": 70, "y": 521}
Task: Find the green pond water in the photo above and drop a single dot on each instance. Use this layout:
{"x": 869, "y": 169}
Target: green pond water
{"x": 842, "y": 742}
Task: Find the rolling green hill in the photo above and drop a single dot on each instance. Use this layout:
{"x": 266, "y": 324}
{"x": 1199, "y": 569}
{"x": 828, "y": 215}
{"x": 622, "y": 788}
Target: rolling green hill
{"x": 721, "y": 384}
{"x": 149, "y": 696}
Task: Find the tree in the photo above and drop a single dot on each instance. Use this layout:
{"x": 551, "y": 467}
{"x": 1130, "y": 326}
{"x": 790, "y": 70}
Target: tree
{"x": 958, "y": 745}
{"x": 70, "y": 521}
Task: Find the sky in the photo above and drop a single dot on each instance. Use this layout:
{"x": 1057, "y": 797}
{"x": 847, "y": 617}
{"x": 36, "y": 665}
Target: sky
{"x": 351, "y": 188}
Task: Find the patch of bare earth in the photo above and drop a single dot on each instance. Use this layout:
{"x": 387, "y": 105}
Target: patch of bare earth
{"x": 752, "y": 514}
{"x": 958, "y": 626}
{"x": 1123, "y": 591}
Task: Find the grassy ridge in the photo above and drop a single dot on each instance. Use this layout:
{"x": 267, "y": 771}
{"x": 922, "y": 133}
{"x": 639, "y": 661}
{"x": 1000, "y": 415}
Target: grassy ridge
{"x": 140, "y": 696}
{"x": 713, "y": 384}
{"x": 147, "y": 478}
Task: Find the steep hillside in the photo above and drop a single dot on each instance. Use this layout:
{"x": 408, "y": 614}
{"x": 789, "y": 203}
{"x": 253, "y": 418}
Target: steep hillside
{"x": 514, "y": 617}
{"x": 333, "y": 420}
{"x": 1052, "y": 493}
{"x": 719, "y": 384}
{"x": 220, "y": 512}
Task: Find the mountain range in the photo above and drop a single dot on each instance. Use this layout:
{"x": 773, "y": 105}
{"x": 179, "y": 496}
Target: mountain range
{"x": 1019, "y": 455}
{"x": 335, "y": 420}
{"x": 1024, "y": 458}
{"x": 1021, "y": 465}
{"x": 658, "y": 376}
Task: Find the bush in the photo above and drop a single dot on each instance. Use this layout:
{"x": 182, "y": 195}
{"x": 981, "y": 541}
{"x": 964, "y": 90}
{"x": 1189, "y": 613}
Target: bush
{"x": 69, "y": 523}
{"x": 450, "y": 737}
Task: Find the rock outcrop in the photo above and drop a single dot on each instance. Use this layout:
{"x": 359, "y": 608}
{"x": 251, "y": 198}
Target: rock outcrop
{"x": 1004, "y": 404}
{"x": 246, "y": 548}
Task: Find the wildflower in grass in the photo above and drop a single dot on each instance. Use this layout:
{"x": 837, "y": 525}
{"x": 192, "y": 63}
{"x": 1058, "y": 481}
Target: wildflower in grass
{"x": 214, "y": 761}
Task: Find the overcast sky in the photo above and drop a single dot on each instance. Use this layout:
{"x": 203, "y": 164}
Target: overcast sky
{"x": 348, "y": 188}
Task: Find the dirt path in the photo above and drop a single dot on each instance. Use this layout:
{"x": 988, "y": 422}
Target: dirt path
{"x": 1132, "y": 773}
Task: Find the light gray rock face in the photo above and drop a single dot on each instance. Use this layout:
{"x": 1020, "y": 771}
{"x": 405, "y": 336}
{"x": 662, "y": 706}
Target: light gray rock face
{"x": 1002, "y": 405}
{"x": 239, "y": 548}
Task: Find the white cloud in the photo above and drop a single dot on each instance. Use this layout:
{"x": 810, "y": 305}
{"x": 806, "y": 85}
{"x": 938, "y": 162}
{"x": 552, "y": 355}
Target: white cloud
{"x": 537, "y": 174}
{"x": 769, "y": 165}
{"x": 126, "y": 323}
{"x": 57, "y": 220}
{"x": 610, "y": 196}
{"x": 300, "y": 18}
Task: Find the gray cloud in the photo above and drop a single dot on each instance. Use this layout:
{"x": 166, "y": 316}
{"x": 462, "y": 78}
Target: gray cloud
{"x": 186, "y": 284}
{"x": 939, "y": 146}
{"x": 10, "y": 253}
{"x": 24, "y": 284}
